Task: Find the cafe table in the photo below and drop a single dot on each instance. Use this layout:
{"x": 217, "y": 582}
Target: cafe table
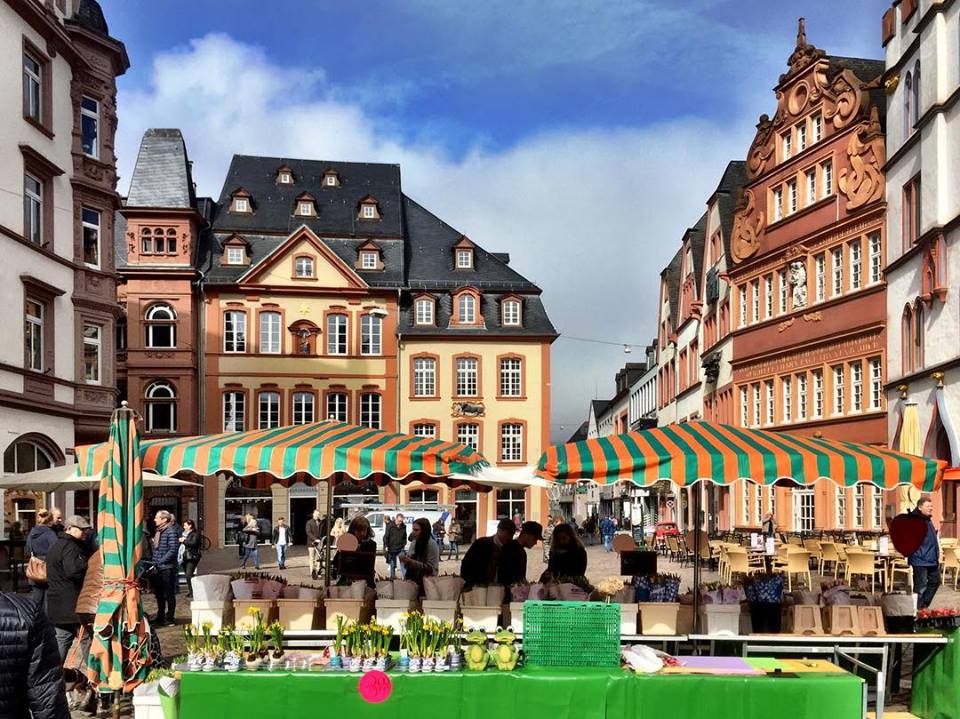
{"x": 557, "y": 692}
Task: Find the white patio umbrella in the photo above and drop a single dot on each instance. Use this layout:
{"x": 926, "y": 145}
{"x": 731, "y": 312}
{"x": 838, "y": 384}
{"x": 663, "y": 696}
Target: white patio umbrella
{"x": 64, "y": 477}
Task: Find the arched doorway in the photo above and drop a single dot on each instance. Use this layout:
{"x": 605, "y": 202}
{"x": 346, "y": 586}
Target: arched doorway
{"x": 27, "y": 453}
{"x": 937, "y": 446}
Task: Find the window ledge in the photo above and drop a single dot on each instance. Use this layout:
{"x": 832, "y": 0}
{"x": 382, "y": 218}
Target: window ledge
{"x": 36, "y": 124}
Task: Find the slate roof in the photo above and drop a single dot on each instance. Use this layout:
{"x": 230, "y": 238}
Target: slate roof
{"x": 670, "y": 276}
{"x": 161, "y": 176}
{"x": 337, "y": 207}
{"x": 536, "y": 323}
{"x": 599, "y": 407}
{"x": 696, "y": 236}
{"x": 581, "y": 433}
{"x": 726, "y": 195}
{"x": 89, "y": 15}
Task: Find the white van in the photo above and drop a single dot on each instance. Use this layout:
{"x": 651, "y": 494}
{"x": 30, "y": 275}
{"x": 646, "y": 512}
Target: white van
{"x": 379, "y": 516}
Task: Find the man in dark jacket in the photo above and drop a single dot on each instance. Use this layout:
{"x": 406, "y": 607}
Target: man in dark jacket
{"x": 926, "y": 560}
{"x": 66, "y": 568}
{"x": 316, "y": 530}
{"x": 480, "y": 566}
{"x": 394, "y": 541}
{"x": 166, "y": 544}
{"x": 512, "y": 567}
{"x": 31, "y": 678}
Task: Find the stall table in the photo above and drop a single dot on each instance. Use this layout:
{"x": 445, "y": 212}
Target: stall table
{"x": 936, "y": 681}
{"x": 560, "y": 693}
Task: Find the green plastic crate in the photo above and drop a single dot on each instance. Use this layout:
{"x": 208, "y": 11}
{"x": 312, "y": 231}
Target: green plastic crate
{"x": 557, "y": 634}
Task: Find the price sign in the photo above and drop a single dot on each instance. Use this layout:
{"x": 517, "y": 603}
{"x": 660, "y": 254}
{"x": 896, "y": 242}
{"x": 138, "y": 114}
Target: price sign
{"x": 375, "y": 687}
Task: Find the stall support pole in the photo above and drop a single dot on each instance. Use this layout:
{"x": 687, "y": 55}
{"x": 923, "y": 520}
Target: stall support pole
{"x": 331, "y": 482}
{"x": 697, "y": 500}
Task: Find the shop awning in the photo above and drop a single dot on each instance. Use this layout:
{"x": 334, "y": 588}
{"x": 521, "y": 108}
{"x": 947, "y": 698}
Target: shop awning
{"x": 703, "y": 451}
{"x": 318, "y": 451}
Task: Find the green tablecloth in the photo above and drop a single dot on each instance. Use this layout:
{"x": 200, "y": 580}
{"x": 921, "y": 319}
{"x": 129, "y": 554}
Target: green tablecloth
{"x": 936, "y": 681}
{"x": 558, "y": 693}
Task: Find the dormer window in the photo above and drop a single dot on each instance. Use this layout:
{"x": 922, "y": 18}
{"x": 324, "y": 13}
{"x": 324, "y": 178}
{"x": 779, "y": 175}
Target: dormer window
{"x": 306, "y": 206}
{"x": 424, "y": 311}
{"x": 240, "y": 201}
{"x": 284, "y": 175}
{"x": 235, "y": 255}
{"x": 512, "y": 315}
{"x": 369, "y": 257}
{"x": 464, "y": 259}
{"x": 466, "y": 308}
{"x": 369, "y": 208}
{"x": 368, "y": 260}
{"x": 331, "y": 179}
{"x": 235, "y": 251}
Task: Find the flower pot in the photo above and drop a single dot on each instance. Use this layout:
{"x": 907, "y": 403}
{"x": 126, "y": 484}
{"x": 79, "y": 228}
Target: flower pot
{"x": 720, "y": 619}
{"x": 300, "y": 614}
{"x": 804, "y": 619}
{"x": 253, "y": 664}
{"x": 427, "y": 665}
{"x": 415, "y": 663}
{"x": 389, "y": 611}
{"x": 766, "y": 617}
{"x": 219, "y": 613}
{"x": 841, "y": 619}
{"x": 487, "y": 618}
{"x": 355, "y": 664}
{"x": 368, "y": 664}
{"x": 659, "y": 618}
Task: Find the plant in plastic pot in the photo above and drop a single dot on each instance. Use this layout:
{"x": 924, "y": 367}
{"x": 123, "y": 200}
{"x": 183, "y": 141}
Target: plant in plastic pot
{"x": 764, "y": 592}
{"x": 276, "y": 638}
{"x": 657, "y": 587}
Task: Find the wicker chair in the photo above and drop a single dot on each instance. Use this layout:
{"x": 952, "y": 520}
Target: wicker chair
{"x": 738, "y": 562}
{"x": 864, "y": 564}
{"x": 797, "y": 563}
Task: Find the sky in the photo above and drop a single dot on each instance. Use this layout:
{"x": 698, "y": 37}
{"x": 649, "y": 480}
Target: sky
{"x": 582, "y": 138}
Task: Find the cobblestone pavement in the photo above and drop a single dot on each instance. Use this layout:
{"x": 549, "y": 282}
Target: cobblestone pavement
{"x": 601, "y": 564}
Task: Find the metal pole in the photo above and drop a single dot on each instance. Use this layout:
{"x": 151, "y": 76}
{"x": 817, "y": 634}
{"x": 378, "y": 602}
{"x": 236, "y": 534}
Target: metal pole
{"x": 696, "y": 558}
{"x": 329, "y": 518}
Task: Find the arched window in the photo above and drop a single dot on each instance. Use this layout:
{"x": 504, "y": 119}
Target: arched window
{"x": 906, "y": 330}
{"x": 161, "y": 405}
{"x": 467, "y": 309}
{"x": 916, "y": 95}
{"x": 161, "y": 325}
{"x": 423, "y": 497}
{"x": 26, "y": 455}
{"x": 907, "y": 101}
{"x": 918, "y": 336}
{"x": 337, "y": 334}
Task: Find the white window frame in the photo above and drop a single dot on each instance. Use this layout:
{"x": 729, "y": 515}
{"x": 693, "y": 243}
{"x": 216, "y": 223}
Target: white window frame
{"x": 33, "y": 79}
{"x": 234, "y": 411}
{"x": 425, "y": 430}
{"x": 783, "y": 290}
{"x": 304, "y": 407}
{"x": 235, "y": 337}
{"x": 755, "y": 301}
{"x": 816, "y": 122}
{"x": 270, "y": 333}
{"x": 818, "y": 389}
{"x": 511, "y": 377}
{"x": 876, "y": 383}
{"x": 34, "y": 335}
{"x": 330, "y": 180}
{"x": 802, "y": 396}
{"x": 468, "y": 377}
{"x": 767, "y": 296}
{"x": 801, "y": 137}
{"x": 743, "y": 305}
{"x": 464, "y": 259}
{"x": 424, "y": 312}
{"x": 305, "y": 208}
{"x": 268, "y": 410}
{"x": 94, "y": 342}
{"x": 90, "y": 221}
{"x": 368, "y": 260}
{"x": 241, "y": 204}
{"x": 371, "y": 410}
{"x": 511, "y": 313}
{"x": 786, "y": 141}
{"x": 424, "y": 377}
{"x": 285, "y": 178}
{"x": 859, "y": 506}
{"x": 468, "y": 433}
{"x": 811, "y": 176}
{"x": 777, "y": 203}
{"x": 235, "y": 255}
{"x": 153, "y": 322}
{"x": 856, "y": 386}
{"x": 820, "y": 268}
{"x": 304, "y": 268}
{"x": 877, "y": 508}
{"x": 770, "y": 410}
{"x": 153, "y": 400}
{"x": 511, "y": 442}
{"x": 368, "y": 211}
{"x": 826, "y": 172}
{"x": 337, "y": 406}
{"x": 33, "y": 209}
{"x": 745, "y": 508}
{"x": 744, "y": 407}
{"x": 371, "y": 335}
{"x": 839, "y": 390}
{"x": 876, "y": 258}
{"x": 787, "y": 387}
{"x": 856, "y": 264}
{"x": 338, "y": 336}
{"x": 94, "y": 117}
{"x": 756, "y": 404}
{"x": 836, "y": 266}
{"x": 467, "y": 309}
{"x": 793, "y": 199}
{"x": 841, "y": 507}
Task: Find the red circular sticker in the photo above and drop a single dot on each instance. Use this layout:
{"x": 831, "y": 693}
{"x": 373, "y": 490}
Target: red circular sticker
{"x": 375, "y": 687}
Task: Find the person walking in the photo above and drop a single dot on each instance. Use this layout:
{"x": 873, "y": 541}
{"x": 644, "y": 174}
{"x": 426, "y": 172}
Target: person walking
{"x": 190, "y": 543}
{"x": 281, "y": 540}
{"x": 394, "y": 542}
{"x": 439, "y": 532}
{"x": 250, "y": 535}
{"x": 165, "y": 547}
{"x": 31, "y": 678}
{"x": 315, "y": 531}
{"x": 607, "y": 530}
{"x": 66, "y": 569}
{"x": 454, "y": 535}
{"x": 39, "y": 541}
{"x": 926, "y": 559}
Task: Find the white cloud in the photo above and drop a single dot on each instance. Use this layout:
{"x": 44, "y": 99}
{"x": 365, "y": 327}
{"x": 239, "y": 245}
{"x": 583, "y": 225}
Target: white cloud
{"x": 591, "y": 216}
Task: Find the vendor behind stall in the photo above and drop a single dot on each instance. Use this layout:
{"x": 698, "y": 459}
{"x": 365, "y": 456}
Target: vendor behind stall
{"x": 568, "y": 558}
{"x": 512, "y": 564}
{"x": 422, "y": 558}
{"x": 481, "y": 562}
{"x": 360, "y": 528}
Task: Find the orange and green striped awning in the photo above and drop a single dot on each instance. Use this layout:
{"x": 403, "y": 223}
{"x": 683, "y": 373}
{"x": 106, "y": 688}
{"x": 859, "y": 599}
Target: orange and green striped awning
{"x": 321, "y": 450}
{"x": 696, "y": 451}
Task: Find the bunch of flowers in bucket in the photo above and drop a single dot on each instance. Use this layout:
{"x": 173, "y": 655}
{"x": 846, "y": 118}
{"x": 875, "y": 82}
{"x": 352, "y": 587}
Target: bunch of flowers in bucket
{"x": 232, "y": 643}
{"x": 425, "y": 644}
{"x": 657, "y": 587}
{"x": 361, "y": 647}
{"x": 204, "y": 651}
{"x": 256, "y": 640}
{"x": 764, "y": 592}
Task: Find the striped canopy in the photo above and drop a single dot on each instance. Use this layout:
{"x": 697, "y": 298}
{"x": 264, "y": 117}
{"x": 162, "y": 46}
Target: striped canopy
{"x": 120, "y": 650}
{"x": 316, "y": 451}
{"x": 695, "y": 451}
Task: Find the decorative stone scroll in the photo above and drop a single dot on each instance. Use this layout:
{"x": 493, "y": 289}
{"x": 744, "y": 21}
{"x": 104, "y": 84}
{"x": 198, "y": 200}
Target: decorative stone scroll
{"x": 747, "y": 225}
{"x": 863, "y": 182}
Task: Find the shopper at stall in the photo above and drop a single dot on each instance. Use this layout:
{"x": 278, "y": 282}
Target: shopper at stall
{"x": 481, "y": 562}
{"x": 39, "y": 541}
{"x": 80, "y": 694}
{"x": 31, "y": 680}
{"x": 165, "y": 547}
{"x": 57, "y": 525}
{"x": 190, "y": 543}
{"x": 66, "y": 569}
{"x": 568, "y": 558}
{"x": 422, "y": 558}
{"x": 281, "y": 540}
{"x": 512, "y": 565}
{"x": 250, "y": 536}
{"x": 360, "y": 528}
{"x": 926, "y": 559}
{"x": 394, "y": 542}
{"x": 316, "y": 530}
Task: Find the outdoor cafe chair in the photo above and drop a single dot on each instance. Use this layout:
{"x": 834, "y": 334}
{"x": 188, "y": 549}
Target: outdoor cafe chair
{"x": 948, "y": 542}
{"x": 797, "y": 563}
{"x": 864, "y": 564}
{"x": 738, "y": 562}
{"x": 673, "y": 547}
{"x": 829, "y": 554}
{"x": 900, "y": 567}
{"x": 951, "y": 560}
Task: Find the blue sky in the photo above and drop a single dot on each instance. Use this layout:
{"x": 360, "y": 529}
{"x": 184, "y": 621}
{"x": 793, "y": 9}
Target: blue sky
{"x": 583, "y": 138}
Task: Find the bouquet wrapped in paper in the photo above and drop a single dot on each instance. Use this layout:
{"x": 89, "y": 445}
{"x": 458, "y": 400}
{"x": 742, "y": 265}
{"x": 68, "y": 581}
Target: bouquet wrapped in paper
{"x": 402, "y": 589}
{"x": 657, "y": 587}
{"x": 272, "y": 588}
{"x": 444, "y": 589}
{"x": 246, "y": 588}
{"x": 570, "y": 592}
{"x": 716, "y": 593}
{"x": 520, "y": 591}
{"x": 212, "y": 588}
{"x": 310, "y": 592}
{"x": 835, "y": 593}
{"x": 385, "y": 589}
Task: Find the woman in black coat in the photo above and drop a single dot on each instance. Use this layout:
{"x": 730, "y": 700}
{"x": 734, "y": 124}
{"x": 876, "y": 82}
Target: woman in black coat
{"x": 190, "y": 539}
{"x": 567, "y": 558}
{"x": 39, "y": 541}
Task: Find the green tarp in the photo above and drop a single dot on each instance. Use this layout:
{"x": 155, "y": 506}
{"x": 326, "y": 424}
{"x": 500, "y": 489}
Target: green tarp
{"x": 558, "y": 693}
{"x": 936, "y": 681}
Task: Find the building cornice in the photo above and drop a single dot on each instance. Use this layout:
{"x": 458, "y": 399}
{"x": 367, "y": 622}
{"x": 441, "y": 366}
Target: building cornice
{"x": 871, "y": 328}
{"x": 918, "y": 245}
{"x": 924, "y": 373}
{"x": 17, "y": 237}
{"x": 44, "y": 21}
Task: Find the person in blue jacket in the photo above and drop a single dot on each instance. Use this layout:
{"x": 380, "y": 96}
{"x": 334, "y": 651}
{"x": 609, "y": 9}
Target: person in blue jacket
{"x": 926, "y": 560}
